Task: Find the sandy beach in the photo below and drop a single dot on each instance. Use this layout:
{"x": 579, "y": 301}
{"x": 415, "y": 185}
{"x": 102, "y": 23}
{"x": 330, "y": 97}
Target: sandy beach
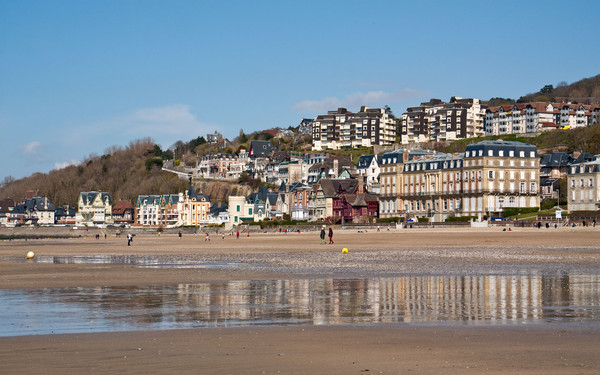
{"x": 345, "y": 349}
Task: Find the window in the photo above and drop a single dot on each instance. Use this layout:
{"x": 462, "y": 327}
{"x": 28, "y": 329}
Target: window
{"x": 238, "y": 208}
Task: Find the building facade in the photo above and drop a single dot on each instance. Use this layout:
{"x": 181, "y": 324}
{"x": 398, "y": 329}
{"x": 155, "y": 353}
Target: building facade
{"x": 488, "y": 177}
{"x": 583, "y": 183}
{"x": 93, "y": 208}
{"x": 342, "y": 128}
{"x": 439, "y": 121}
{"x": 535, "y": 117}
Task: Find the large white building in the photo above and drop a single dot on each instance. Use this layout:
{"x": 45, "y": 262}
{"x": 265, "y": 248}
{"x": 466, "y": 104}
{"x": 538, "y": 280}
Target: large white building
{"x": 342, "y": 128}
{"x": 535, "y": 117}
{"x": 440, "y": 121}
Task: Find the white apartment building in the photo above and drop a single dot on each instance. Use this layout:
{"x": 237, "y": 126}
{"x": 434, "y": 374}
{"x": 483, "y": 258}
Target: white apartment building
{"x": 535, "y": 117}
{"x": 341, "y": 128}
{"x": 440, "y": 121}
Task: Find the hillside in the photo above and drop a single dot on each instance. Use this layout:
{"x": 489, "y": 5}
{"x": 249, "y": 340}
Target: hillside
{"x": 586, "y": 91}
{"x": 580, "y": 139}
{"x": 124, "y": 172}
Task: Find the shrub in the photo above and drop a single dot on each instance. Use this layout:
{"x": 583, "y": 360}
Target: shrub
{"x": 514, "y": 211}
{"x": 394, "y": 219}
{"x": 452, "y": 219}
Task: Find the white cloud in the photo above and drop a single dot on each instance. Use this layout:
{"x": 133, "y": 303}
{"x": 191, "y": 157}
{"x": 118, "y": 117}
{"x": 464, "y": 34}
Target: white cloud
{"x": 165, "y": 125}
{"x": 64, "y": 164}
{"x": 174, "y": 119}
{"x": 355, "y": 100}
{"x": 31, "y": 148}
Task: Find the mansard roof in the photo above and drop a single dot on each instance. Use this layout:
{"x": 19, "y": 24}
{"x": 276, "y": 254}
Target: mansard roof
{"x": 364, "y": 161}
{"x": 38, "y": 204}
{"x": 495, "y": 146}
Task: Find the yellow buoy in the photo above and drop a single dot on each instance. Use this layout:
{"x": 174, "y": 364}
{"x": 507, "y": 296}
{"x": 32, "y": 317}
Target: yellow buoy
{"x": 30, "y": 255}
{"x": 345, "y": 251}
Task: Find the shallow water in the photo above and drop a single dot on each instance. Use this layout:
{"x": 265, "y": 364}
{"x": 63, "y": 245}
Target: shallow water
{"x": 472, "y": 300}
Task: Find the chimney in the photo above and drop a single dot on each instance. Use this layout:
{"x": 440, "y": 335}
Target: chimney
{"x": 335, "y": 168}
{"x": 361, "y": 185}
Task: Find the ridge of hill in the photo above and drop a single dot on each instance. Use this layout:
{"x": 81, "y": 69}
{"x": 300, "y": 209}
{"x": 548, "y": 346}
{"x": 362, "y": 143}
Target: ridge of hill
{"x": 585, "y": 91}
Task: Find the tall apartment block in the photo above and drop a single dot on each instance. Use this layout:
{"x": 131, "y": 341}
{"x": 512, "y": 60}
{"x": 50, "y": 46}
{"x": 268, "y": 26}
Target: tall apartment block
{"x": 342, "y": 128}
{"x": 440, "y": 121}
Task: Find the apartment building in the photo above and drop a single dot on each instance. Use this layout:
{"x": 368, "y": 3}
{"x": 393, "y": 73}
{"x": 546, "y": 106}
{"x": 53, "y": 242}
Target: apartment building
{"x": 391, "y": 171}
{"x": 535, "y": 117}
{"x": 499, "y": 174}
{"x": 440, "y": 121}
{"x": 488, "y": 177}
{"x": 583, "y": 181}
{"x": 342, "y": 128}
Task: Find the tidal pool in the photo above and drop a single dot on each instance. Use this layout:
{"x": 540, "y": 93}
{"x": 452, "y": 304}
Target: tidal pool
{"x": 472, "y": 300}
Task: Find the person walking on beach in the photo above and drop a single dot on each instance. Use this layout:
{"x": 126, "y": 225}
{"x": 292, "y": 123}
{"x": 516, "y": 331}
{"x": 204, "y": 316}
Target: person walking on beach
{"x": 179, "y": 234}
{"x": 323, "y": 235}
{"x": 237, "y": 234}
{"x": 129, "y": 238}
{"x": 330, "y": 235}
{"x": 207, "y": 238}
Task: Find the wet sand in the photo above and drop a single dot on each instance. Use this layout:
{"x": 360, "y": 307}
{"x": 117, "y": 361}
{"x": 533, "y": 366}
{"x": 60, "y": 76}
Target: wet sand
{"x": 350, "y": 349}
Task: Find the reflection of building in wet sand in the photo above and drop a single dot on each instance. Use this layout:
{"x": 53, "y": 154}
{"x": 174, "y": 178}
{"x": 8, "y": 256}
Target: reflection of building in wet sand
{"x": 474, "y": 299}
{"x": 455, "y": 299}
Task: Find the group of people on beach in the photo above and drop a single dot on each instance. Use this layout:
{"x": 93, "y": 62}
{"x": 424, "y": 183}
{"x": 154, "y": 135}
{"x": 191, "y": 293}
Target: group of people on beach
{"x": 323, "y": 235}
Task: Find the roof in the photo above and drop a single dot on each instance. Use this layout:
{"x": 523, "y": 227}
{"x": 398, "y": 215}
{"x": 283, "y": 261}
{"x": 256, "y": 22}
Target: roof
{"x": 89, "y": 196}
{"x": 333, "y": 187}
{"x": 121, "y": 206}
{"x": 364, "y": 161}
{"x": 260, "y": 148}
{"x": 555, "y": 159}
{"x": 500, "y": 146}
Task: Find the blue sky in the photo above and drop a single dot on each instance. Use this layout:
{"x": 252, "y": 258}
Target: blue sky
{"x": 77, "y": 77}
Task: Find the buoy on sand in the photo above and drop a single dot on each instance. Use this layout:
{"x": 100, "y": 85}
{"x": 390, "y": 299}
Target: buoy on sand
{"x": 30, "y": 255}
{"x": 345, "y": 251}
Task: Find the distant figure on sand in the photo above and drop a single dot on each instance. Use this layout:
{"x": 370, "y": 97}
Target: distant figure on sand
{"x": 237, "y": 234}
{"x": 179, "y": 234}
{"x": 330, "y": 235}
{"x": 207, "y": 238}
{"x": 323, "y": 235}
{"x": 129, "y": 239}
